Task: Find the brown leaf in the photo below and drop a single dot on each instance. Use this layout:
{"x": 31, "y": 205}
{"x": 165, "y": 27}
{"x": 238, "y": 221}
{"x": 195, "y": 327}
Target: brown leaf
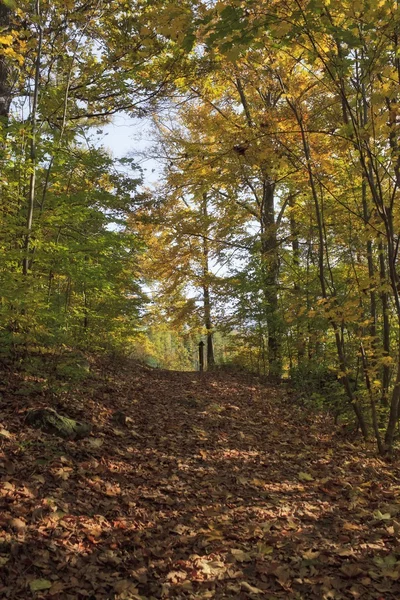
{"x": 251, "y": 589}
{"x": 282, "y": 573}
{"x": 56, "y": 588}
{"x": 180, "y": 529}
{"x": 176, "y": 576}
{"x": 5, "y": 434}
{"x": 124, "y": 586}
{"x": 351, "y": 570}
{"x": 17, "y": 524}
{"x": 347, "y": 526}
{"x": 240, "y": 556}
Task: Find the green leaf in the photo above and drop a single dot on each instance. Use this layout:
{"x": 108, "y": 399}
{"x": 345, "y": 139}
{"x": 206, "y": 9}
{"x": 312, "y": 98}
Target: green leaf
{"x": 188, "y": 42}
{"x": 381, "y": 516}
{"x": 233, "y": 54}
{"x": 232, "y": 14}
{"x": 40, "y": 584}
{"x": 9, "y": 3}
{"x": 305, "y": 477}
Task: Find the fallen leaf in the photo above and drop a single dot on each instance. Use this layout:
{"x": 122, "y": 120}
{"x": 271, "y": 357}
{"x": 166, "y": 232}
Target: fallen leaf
{"x": 249, "y": 588}
{"x": 305, "y": 476}
{"x": 64, "y": 473}
{"x": 38, "y": 585}
{"x": 176, "y": 576}
{"x": 180, "y": 529}
{"x": 264, "y": 549}
{"x": 124, "y": 586}
{"x": 56, "y": 588}
{"x": 240, "y": 556}
{"x": 211, "y": 567}
{"x": 6, "y": 434}
{"x": 311, "y": 554}
{"x": 96, "y": 442}
{"x": 351, "y": 570}
{"x": 381, "y": 516}
{"x": 385, "y": 561}
{"x": 17, "y": 524}
{"x": 9, "y": 467}
{"x": 39, "y": 478}
{"x": 282, "y": 573}
{"x": 347, "y": 526}
{"x": 257, "y": 482}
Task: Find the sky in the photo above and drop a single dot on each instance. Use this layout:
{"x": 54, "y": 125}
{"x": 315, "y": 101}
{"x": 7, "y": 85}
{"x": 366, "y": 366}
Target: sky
{"x": 127, "y": 136}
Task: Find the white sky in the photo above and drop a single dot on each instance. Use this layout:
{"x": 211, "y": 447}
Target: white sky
{"x": 126, "y": 136}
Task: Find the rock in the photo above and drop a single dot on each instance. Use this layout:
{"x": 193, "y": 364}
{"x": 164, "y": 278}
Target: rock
{"x": 49, "y": 421}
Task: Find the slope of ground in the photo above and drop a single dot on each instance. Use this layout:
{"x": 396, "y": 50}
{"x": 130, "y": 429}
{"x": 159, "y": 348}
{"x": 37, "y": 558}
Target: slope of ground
{"x": 202, "y": 487}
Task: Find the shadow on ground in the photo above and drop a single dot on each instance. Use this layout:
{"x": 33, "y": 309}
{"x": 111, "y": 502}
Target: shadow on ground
{"x": 208, "y": 487}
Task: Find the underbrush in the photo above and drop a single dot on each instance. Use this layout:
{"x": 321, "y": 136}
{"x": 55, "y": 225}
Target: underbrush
{"x": 317, "y": 387}
{"x": 47, "y": 372}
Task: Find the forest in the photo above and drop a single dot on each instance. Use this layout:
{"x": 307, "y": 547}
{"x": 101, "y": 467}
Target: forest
{"x": 271, "y": 236}
{"x": 274, "y": 228}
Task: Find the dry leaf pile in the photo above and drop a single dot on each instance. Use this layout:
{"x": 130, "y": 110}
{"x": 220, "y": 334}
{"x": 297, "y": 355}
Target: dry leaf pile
{"x": 191, "y": 487}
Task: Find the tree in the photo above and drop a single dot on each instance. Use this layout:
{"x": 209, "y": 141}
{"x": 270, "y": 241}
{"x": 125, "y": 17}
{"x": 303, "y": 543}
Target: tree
{"x": 5, "y": 84}
{"x": 351, "y": 67}
{"x": 66, "y": 277}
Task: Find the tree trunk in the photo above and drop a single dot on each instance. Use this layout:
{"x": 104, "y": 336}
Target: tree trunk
{"x": 208, "y": 325}
{"x": 270, "y": 267}
{"x": 269, "y": 258}
{"x": 300, "y": 343}
{"x": 206, "y": 288}
{"x": 5, "y": 87}
{"x": 33, "y": 148}
{"x": 386, "y": 328}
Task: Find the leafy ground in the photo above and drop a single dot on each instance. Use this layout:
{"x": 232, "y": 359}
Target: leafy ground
{"x": 206, "y": 487}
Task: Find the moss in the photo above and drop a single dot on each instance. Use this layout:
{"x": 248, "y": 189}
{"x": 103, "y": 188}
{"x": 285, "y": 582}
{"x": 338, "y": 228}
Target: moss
{"x": 49, "y": 421}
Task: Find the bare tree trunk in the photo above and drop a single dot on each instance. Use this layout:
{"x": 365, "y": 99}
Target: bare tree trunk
{"x": 33, "y": 148}
{"x": 294, "y": 234}
{"x": 208, "y": 325}
{"x": 385, "y": 329}
{"x": 270, "y": 266}
{"x": 206, "y": 288}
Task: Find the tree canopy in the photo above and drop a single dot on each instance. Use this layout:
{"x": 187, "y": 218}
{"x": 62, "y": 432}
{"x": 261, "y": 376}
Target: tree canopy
{"x": 274, "y": 230}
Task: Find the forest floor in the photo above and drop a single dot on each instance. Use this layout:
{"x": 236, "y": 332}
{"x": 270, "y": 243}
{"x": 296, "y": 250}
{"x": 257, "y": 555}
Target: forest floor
{"x": 207, "y": 487}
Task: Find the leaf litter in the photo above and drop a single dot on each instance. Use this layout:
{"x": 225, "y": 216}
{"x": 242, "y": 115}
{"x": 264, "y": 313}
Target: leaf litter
{"x": 237, "y": 494}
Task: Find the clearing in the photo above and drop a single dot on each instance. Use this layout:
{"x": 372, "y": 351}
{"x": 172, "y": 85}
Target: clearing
{"x": 190, "y": 486}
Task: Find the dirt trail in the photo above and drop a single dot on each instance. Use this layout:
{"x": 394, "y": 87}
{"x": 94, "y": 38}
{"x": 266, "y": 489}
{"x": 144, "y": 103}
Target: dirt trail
{"x": 199, "y": 487}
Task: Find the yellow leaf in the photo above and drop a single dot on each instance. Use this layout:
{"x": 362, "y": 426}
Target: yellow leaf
{"x": 6, "y": 40}
{"x": 263, "y": 549}
{"x": 305, "y": 477}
